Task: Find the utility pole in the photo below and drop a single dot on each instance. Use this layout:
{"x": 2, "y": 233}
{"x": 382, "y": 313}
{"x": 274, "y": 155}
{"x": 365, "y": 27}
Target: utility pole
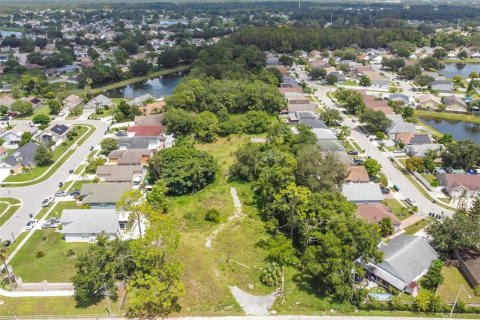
{"x": 456, "y": 300}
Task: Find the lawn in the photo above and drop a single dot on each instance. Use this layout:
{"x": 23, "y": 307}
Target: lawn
{"x": 5, "y": 213}
{"x": 60, "y": 206}
{"x": 414, "y": 228}
{"x": 54, "y": 266}
{"x": 448, "y": 116}
{"x": 60, "y": 151}
{"x": 397, "y": 209}
{"x": 48, "y": 306}
{"x": 448, "y": 290}
{"x": 42, "y": 110}
{"x": 429, "y": 177}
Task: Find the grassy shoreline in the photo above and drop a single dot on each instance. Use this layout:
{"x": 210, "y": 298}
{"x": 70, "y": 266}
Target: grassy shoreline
{"x": 448, "y": 116}
{"x": 123, "y": 83}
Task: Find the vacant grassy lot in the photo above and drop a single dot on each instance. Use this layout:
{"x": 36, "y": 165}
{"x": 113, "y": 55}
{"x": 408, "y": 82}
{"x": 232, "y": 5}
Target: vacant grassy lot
{"x": 453, "y": 280}
{"x": 54, "y": 266}
{"x": 52, "y": 306}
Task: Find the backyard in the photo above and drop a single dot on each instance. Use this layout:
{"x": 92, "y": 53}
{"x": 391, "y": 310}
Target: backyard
{"x": 55, "y": 265}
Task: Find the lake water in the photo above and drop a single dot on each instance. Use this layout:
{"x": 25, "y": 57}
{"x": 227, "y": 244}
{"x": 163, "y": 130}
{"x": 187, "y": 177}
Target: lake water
{"x": 158, "y": 87}
{"x": 9, "y": 33}
{"x": 462, "y": 69}
{"x": 458, "y": 129}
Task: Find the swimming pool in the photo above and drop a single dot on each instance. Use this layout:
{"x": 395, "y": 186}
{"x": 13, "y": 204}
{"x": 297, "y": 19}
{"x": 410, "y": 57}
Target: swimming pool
{"x": 380, "y": 296}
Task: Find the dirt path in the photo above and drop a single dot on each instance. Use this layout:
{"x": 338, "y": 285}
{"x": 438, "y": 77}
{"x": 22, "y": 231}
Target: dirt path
{"x": 253, "y": 305}
{"x": 237, "y": 215}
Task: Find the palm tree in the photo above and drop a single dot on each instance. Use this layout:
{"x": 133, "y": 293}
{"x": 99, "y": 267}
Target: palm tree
{"x": 88, "y": 89}
{"x": 345, "y": 132}
{"x": 3, "y": 257}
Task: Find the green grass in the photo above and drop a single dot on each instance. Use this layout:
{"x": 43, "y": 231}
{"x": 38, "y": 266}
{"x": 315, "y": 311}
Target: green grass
{"x": 414, "y": 228}
{"x": 5, "y": 216}
{"x": 60, "y": 206}
{"x": 429, "y": 177}
{"x": 42, "y": 110}
{"x": 397, "y": 209}
{"x": 349, "y": 83}
{"x": 61, "y": 150}
{"x": 448, "y": 116}
{"x": 17, "y": 241}
{"x": 55, "y": 266}
{"x": 60, "y": 306}
{"x": 123, "y": 83}
{"x": 448, "y": 290}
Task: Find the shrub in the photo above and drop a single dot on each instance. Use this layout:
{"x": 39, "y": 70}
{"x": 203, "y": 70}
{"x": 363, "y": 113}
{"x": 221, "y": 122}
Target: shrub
{"x": 476, "y": 291}
{"x": 271, "y": 275}
{"x": 44, "y": 238}
{"x": 212, "y": 215}
{"x": 40, "y": 254}
{"x": 70, "y": 253}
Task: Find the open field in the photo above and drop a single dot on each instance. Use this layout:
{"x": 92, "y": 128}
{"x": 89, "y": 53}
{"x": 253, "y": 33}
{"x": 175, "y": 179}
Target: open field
{"x": 54, "y": 266}
{"x": 453, "y": 280}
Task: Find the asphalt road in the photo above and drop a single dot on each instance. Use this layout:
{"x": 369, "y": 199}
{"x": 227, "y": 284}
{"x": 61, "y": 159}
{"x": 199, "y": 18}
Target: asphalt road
{"x": 407, "y": 189}
{"x": 32, "y": 196}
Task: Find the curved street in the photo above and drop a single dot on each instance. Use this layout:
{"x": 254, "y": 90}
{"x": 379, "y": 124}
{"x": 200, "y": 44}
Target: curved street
{"x": 32, "y": 196}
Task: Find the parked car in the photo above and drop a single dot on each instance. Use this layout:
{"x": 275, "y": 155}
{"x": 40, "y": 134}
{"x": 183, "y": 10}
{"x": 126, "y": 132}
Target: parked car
{"x": 411, "y": 202}
{"x": 91, "y": 148}
{"x": 385, "y": 190}
{"x": 6, "y": 243}
{"x": 121, "y": 133}
{"x": 358, "y": 162}
{"x": 353, "y": 153}
{"x": 75, "y": 193}
{"x": 51, "y": 223}
{"x": 48, "y": 201}
{"x": 396, "y": 187}
{"x": 31, "y": 224}
{"x": 60, "y": 193}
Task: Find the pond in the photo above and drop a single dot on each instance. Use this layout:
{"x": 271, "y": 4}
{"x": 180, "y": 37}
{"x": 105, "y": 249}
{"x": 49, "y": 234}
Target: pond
{"x": 463, "y": 69}
{"x": 460, "y": 130}
{"x": 158, "y": 87}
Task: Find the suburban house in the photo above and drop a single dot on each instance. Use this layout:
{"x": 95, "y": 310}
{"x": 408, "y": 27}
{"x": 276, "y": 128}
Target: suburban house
{"x": 22, "y": 157}
{"x": 3, "y": 152}
{"x": 362, "y": 192}
{"x": 454, "y": 103}
{"x": 149, "y": 120}
{"x": 405, "y": 260}
{"x": 296, "y": 89}
{"x": 7, "y": 101}
{"x": 374, "y": 213}
{"x": 443, "y": 86}
{"x": 140, "y": 101}
{"x": 56, "y": 132}
{"x": 71, "y": 102}
{"x": 153, "y": 134}
{"x": 130, "y": 157}
{"x": 420, "y": 150}
{"x": 459, "y": 185}
{"x": 399, "y": 126}
{"x": 469, "y": 266}
{"x": 308, "y": 119}
{"x": 133, "y": 143}
{"x": 13, "y": 136}
{"x": 99, "y": 101}
{"x": 84, "y": 225}
{"x": 400, "y": 98}
{"x": 357, "y": 174}
{"x": 299, "y": 107}
{"x": 152, "y": 108}
{"x": 103, "y": 195}
{"x": 327, "y": 140}
{"x": 125, "y": 173}
{"x": 429, "y": 101}
{"x": 34, "y": 101}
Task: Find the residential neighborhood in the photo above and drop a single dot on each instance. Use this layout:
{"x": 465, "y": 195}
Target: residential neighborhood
{"x": 171, "y": 160}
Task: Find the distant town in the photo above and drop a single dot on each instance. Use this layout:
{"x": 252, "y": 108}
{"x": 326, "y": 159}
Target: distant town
{"x": 231, "y": 159}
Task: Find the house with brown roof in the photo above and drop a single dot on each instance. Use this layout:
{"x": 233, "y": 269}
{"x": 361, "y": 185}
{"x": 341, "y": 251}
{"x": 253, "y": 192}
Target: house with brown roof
{"x": 6, "y": 101}
{"x": 357, "y": 174}
{"x": 121, "y": 173}
{"x": 130, "y": 157}
{"x": 459, "y": 185}
{"x": 34, "y": 101}
{"x": 378, "y": 105}
{"x": 454, "y": 103}
{"x": 149, "y": 120}
{"x": 374, "y": 213}
{"x": 71, "y": 102}
{"x": 284, "y": 90}
{"x": 429, "y": 101}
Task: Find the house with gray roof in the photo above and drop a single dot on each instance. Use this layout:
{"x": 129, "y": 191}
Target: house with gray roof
{"x": 99, "y": 101}
{"x": 399, "y": 126}
{"x": 103, "y": 195}
{"x": 443, "y": 86}
{"x": 84, "y": 225}
{"x": 399, "y": 97}
{"x": 327, "y": 140}
{"x": 362, "y": 192}
{"x": 405, "y": 260}
{"x": 22, "y": 157}
{"x": 140, "y": 101}
{"x": 454, "y": 103}
{"x": 126, "y": 173}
